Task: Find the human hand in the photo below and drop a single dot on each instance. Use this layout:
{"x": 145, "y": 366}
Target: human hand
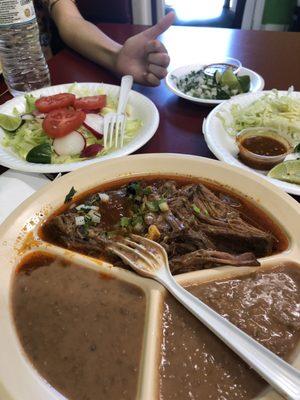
{"x": 144, "y": 57}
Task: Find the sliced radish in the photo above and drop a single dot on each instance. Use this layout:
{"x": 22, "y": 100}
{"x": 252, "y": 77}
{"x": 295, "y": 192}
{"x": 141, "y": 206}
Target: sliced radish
{"x": 92, "y": 150}
{"x": 27, "y": 117}
{"x": 69, "y": 145}
{"x": 94, "y": 123}
{"x": 38, "y": 114}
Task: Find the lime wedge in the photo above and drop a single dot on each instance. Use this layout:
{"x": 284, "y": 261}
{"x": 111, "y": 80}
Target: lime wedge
{"x": 228, "y": 78}
{"x": 288, "y": 171}
{"x": 9, "y": 122}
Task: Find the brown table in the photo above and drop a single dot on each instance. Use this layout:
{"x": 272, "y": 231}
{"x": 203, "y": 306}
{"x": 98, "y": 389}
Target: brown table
{"x": 274, "y": 55}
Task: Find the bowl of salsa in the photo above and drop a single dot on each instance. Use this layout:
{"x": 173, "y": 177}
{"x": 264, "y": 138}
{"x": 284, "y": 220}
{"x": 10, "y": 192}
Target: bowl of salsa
{"x": 262, "y": 148}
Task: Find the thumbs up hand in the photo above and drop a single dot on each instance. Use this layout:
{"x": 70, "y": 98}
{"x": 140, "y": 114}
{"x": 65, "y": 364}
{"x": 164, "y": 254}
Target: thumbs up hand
{"x": 144, "y": 57}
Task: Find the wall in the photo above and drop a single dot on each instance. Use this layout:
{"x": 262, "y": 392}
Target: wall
{"x": 278, "y": 14}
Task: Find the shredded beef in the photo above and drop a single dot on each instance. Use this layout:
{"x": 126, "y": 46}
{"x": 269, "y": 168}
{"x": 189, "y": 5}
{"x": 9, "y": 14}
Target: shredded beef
{"x": 199, "y": 229}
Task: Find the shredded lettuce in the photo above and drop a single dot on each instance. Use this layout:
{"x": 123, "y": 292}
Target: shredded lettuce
{"x": 281, "y": 112}
{"x": 31, "y": 134}
{"x": 30, "y": 103}
{"x": 81, "y": 91}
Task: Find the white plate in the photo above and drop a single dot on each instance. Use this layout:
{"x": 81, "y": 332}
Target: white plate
{"x": 143, "y": 108}
{"x": 223, "y": 145}
{"x": 257, "y": 82}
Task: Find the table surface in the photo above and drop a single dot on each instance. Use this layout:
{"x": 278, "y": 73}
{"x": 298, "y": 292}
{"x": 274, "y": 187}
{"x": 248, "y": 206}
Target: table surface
{"x": 274, "y": 55}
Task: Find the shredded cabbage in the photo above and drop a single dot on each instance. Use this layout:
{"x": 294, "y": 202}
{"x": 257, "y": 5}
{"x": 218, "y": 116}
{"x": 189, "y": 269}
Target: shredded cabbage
{"x": 281, "y": 112}
{"x": 31, "y": 134}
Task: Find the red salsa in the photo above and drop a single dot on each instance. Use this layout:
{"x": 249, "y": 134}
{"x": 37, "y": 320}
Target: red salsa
{"x": 264, "y": 146}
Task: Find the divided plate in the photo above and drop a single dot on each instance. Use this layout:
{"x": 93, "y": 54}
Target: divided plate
{"x": 18, "y": 379}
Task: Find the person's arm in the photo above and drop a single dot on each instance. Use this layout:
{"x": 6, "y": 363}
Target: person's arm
{"x": 142, "y": 55}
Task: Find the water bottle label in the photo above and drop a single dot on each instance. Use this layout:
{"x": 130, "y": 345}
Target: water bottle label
{"x": 16, "y": 11}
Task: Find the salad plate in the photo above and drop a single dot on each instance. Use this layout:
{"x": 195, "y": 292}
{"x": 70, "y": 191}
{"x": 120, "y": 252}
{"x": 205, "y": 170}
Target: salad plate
{"x": 142, "y": 119}
{"x": 257, "y": 83}
{"x": 221, "y": 127}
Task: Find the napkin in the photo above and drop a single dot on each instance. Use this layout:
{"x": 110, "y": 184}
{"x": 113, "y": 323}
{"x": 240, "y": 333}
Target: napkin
{"x": 15, "y": 187}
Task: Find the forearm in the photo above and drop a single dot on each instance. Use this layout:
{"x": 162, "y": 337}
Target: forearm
{"x": 142, "y": 55}
{"x": 87, "y": 39}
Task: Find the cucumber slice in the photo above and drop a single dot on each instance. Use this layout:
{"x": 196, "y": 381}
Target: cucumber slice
{"x": 40, "y": 154}
{"x": 10, "y": 123}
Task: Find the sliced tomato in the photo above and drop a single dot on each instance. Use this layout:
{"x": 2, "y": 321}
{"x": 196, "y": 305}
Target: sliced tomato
{"x": 59, "y": 123}
{"x": 90, "y": 103}
{"x": 49, "y": 103}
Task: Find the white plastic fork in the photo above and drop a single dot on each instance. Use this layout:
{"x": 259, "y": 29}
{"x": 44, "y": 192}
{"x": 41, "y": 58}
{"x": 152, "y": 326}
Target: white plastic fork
{"x": 114, "y": 123}
{"x": 150, "y": 259}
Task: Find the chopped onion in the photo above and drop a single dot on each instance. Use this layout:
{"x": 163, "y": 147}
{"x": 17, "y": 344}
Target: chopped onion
{"x": 163, "y": 206}
{"x": 104, "y": 197}
{"x": 96, "y": 217}
{"x": 85, "y": 207}
{"x": 79, "y": 220}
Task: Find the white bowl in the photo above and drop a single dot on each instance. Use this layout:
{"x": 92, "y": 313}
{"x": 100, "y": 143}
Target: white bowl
{"x": 256, "y": 82}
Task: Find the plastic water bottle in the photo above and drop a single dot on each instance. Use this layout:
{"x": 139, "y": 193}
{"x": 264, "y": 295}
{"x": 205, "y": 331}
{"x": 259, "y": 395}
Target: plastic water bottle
{"x": 23, "y": 62}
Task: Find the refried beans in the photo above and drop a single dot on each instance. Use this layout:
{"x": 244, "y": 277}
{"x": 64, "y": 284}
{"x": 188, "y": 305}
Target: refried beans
{"x": 197, "y": 365}
{"x": 82, "y": 331}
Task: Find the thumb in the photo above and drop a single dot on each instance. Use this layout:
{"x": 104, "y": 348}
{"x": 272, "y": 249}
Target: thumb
{"x": 161, "y": 26}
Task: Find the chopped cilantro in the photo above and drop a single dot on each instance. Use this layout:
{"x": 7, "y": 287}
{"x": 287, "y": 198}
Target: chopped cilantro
{"x": 152, "y": 206}
{"x": 87, "y": 223}
{"x": 155, "y": 206}
{"x": 134, "y": 189}
{"x": 196, "y": 209}
{"x": 147, "y": 190}
{"x": 70, "y": 195}
{"x": 125, "y": 222}
{"x": 137, "y": 219}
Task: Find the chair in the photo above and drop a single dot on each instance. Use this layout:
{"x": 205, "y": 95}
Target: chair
{"x": 119, "y": 11}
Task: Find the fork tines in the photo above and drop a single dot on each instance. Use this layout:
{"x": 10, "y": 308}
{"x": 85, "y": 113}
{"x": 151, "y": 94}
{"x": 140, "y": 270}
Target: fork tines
{"x": 134, "y": 253}
{"x": 114, "y": 129}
